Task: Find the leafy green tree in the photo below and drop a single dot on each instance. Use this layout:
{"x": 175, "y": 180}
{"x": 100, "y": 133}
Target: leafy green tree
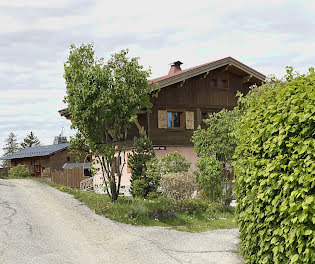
{"x": 11, "y": 146}
{"x": 218, "y": 137}
{"x": 103, "y": 100}
{"x": 30, "y": 141}
{"x": 275, "y": 169}
{"x": 19, "y": 171}
{"x": 216, "y": 141}
{"x": 209, "y": 177}
{"x": 172, "y": 162}
{"x": 137, "y": 161}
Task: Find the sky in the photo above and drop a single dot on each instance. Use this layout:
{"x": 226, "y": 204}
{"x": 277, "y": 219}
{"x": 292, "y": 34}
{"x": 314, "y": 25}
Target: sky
{"x": 35, "y": 38}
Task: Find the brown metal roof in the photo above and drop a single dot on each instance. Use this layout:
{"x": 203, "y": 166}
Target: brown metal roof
{"x": 228, "y": 60}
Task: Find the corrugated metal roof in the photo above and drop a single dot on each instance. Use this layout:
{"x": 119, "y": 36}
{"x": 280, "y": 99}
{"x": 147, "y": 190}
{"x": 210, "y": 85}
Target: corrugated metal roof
{"x": 76, "y": 165}
{"x": 36, "y": 151}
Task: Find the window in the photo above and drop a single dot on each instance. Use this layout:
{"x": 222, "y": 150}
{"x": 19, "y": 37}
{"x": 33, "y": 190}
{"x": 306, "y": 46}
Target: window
{"x": 213, "y": 83}
{"x": 223, "y": 84}
{"x": 175, "y": 119}
{"x": 88, "y": 159}
{"x": 68, "y": 158}
{"x": 207, "y": 113}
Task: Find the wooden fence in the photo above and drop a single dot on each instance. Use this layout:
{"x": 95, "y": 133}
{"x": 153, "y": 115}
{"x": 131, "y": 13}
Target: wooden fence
{"x": 68, "y": 177}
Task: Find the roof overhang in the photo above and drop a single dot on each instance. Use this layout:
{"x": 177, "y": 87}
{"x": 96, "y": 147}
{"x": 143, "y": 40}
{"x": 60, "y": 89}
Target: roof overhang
{"x": 229, "y": 61}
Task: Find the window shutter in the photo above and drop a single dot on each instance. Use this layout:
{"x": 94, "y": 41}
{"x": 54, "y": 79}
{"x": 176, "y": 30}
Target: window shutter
{"x": 128, "y": 168}
{"x": 182, "y": 120}
{"x": 162, "y": 119}
{"x": 189, "y": 120}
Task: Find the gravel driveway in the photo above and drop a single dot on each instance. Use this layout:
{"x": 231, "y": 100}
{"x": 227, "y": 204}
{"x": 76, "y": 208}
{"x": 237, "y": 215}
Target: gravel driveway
{"x": 39, "y": 224}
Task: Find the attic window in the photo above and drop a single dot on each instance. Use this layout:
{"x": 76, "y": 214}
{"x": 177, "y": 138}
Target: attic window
{"x": 223, "y": 85}
{"x": 68, "y": 158}
{"x": 213, "y": 83}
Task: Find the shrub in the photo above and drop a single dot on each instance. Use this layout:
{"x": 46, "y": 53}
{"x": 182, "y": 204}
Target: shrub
{"x": 2, "y": 176}
{"x": 139, "y": 188}
{"x": 172, "y": 162}
{"x": 137, "y": 162}
{"x": 178, "y": 186}
{"x": 194, "y": 206}
{"x": 19, "y": 171}
{"x": 153, "y": 195}
{"x": 209, "y": 177}
{"x": 275, "y": 170}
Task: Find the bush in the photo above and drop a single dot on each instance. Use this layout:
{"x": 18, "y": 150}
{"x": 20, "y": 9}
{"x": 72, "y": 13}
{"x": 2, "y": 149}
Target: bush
{"x": 137, "y": 162}
{"x": 172, "y": 162}
{"x": 209, "y": 177}
{"x": 153, "y": 195}
{"x": 275, "y": 170}
{"x": 139, "y": 188}
{"x": 2, "y": 176}
{"x": 19, "y": 171}
{"x": 178, "y": 186}
{"x": 194, "y": 206}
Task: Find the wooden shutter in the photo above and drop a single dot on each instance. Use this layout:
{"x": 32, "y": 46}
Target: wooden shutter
{"x": 127, "y": 159}
{"x": 162, "y": 119}
{"x": 182, "y": 119}
{"x": 189, "y": 120}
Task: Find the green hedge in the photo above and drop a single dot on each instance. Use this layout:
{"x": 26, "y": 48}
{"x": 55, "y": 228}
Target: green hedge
{"x": 275, "y": 171}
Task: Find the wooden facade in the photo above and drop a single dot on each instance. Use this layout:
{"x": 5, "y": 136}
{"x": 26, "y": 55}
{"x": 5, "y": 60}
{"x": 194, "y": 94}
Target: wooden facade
{"x": 193, "y": 99}
{"x": 43, "y": 166}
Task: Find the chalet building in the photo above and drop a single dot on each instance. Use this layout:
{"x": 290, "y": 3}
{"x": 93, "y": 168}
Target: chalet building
{"x": 185, "y": 98}
{"x": 41, "y": 160}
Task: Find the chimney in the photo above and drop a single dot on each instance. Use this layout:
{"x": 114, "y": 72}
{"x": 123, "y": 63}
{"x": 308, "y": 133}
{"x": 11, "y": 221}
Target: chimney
{"x": 175, "y": 67}
{"x": 60, "y": 140}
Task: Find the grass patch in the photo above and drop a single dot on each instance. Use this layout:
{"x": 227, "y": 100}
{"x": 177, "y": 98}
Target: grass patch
{"x": 191, "y": 216}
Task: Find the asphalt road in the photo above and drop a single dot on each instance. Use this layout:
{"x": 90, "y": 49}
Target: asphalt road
{"x": 39, "y": 224}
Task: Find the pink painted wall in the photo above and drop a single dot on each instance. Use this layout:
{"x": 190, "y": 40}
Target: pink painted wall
{"x": 186, "y": 151}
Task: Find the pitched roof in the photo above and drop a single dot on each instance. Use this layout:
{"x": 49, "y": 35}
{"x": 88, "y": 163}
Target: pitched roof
{"x": 203, "y": 68}
{"x": 36, "y": 151}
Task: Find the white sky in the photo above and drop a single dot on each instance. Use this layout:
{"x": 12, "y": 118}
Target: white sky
{"x": 35, "y": 37}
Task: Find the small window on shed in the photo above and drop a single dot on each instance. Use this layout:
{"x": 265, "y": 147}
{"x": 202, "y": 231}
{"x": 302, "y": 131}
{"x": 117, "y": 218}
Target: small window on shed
{"x": 88, "y": 159}
{"x": 68, "y": 158}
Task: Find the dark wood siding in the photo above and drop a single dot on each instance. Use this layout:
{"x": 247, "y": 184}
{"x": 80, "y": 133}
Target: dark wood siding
{"x": 196, "y": 95}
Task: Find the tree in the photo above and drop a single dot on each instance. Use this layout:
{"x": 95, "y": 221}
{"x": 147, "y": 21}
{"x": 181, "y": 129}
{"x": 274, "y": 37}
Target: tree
{"x": 30, "y": 141}
{"x": 217, "y": 140}
{"x": 275, "y": 169}
{"x": 209, "y": 177}
{"x": 103, "y": 100}
{"x": 141, "y": 183}
{"x": 11, "y": 146}
{"x": 218, "y": 137}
